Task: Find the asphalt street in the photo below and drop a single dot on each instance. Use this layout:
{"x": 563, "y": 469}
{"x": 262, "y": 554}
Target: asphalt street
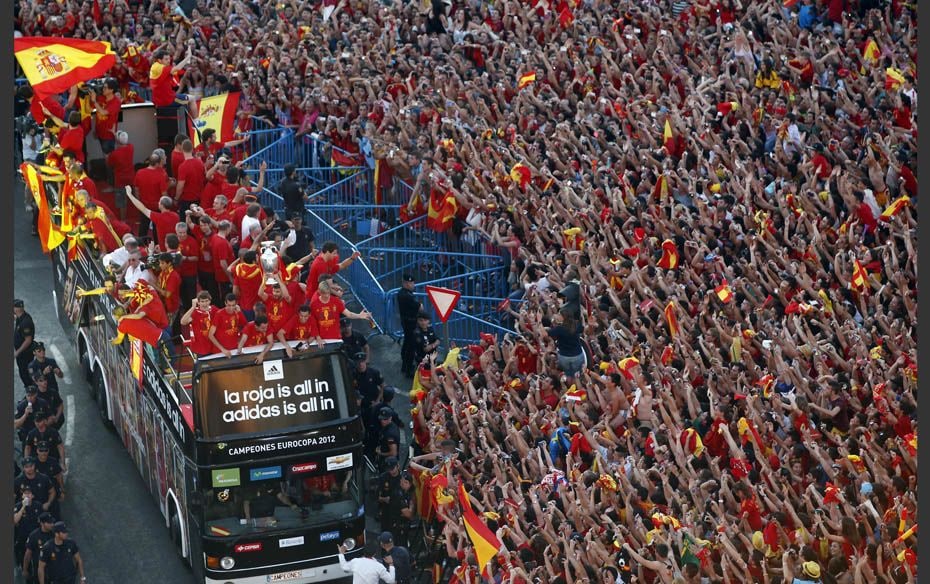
{"x": 115, "y": 522}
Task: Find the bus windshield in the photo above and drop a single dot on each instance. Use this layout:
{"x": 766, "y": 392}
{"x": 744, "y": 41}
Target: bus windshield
{"x": 271, "y": 502}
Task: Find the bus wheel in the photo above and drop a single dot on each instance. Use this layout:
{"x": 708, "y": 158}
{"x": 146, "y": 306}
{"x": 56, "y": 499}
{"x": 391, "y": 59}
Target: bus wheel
{"x": 85, "y": 361}
{"x": 100, "y": 394}
{"x": 175, "y": 527}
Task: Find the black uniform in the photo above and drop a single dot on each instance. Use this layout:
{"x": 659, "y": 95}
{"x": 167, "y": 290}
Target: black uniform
{"x": 301, "y": 245}
{"x": 368, "y": 383}
{"x": 50, "y": 468}
{"x": 53, "y": 399}
{"x": 389, "y": 435}
{"x": 421, "y": 339}
{"x": 23, "y": 327}
{"x": 50, "y": 437}
{"x": 409, "y": 306}
{"x": 40, "y": 485}
{"x": 387, "y": 486}
{"x": 404, "y": 525}
{"x": 402, "y": 563}
{"x": 59, "y": 562}
{"x": 40, "y": 405}
{"x": 353, "y": 344}
{"x": 293, "y": 195}
{"x": 27, "y": 524}
{"x": 36, "y": 366}
{"x": 34, "y": 543}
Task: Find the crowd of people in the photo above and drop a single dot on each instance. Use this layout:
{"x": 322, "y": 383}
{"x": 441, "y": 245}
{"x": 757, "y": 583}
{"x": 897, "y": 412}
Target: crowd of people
{"x": 709, "y": 213}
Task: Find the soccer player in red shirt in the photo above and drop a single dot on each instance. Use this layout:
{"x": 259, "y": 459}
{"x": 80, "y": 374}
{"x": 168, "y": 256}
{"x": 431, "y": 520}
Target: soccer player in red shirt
{"x": 277, "y": 304}
{"x": 326, "y": 309}
{"x": 223, "y": 257}
{"x": 199, "y": 316}
{"x": 120, "y": 162}
{"x": 226, "y": 329}
{"x": 256, "y": 333}
{"x": 216, "y": 179}
{"x": 189, "y": 249}
{"x": 108, "y": 108}
{"x": 162, "y": 80}
{"x": 326, "y": 263}
{"x": 169, "y": 285}
{"x": 192, "y": 176}
{"x": 247, "y": 280}
{"x": 301, "y": 327}
{"x": 165, "y": 219}
{"x": 151, "y": 184}
{"x": 38, "y": 107}
{"x": 71, "y": 136}
{"x": 202, "y": 231}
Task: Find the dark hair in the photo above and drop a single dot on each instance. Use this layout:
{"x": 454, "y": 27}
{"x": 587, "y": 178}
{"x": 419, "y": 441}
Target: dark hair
{"x": 74, "y": 119}
{"x": 207, "y": 134}
{"x": 260, "y": 319}
{"x": 329, "y": 246}
{"x": 231, "y": 297}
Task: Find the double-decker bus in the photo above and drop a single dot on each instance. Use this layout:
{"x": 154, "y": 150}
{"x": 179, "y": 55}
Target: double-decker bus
{"x": 257, "y": 468}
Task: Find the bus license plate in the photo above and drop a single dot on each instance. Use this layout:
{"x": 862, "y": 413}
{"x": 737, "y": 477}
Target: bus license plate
{"x": 284, "y": 576}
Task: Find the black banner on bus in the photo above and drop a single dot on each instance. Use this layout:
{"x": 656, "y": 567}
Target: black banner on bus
{"x": 272, "y": 397}
{"x": 339, "y": 438}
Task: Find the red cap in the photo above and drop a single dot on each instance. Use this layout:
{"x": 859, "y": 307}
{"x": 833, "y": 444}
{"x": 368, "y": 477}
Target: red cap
{"x": 487, "y": 338}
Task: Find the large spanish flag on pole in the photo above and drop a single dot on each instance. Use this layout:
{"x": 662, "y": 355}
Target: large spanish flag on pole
{"x": 485, "y": 542}
{"x": 53, "y": 65}
{"x": 49, "y": 235}
{"x": 217, "y": 113}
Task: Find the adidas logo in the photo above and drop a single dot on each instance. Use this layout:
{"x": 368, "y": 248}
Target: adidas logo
{"x": 273, "y": 370}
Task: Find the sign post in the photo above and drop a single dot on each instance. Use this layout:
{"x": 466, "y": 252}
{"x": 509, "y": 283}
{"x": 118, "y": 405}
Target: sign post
{"x": 444, "y": 301}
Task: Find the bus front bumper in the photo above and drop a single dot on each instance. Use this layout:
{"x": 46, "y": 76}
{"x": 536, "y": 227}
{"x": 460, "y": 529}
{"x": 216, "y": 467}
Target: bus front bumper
{"x": 325, "y": 573}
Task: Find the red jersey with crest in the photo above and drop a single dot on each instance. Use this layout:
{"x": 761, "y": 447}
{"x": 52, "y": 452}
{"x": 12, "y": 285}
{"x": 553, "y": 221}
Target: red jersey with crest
{"x": 327, "y": 317}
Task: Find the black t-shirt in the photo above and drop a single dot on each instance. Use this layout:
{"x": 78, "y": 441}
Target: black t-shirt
{"x": 402, "y": 569}
{"x": 35, "y": 542}
{"x": 389, "y": 435}
{"x": 355, "y": 343}
{"x": 40, "y": 405}
{"x": 292, "y": 193}
{"x": 50, "y": 468}
{"x": 301, "y": 245}
{"x": 59, "y": 560}
{"x": 567, "y": 342}
{"x": 409, "y": 307}
{"x": 39, "y": 367}
{"x": 30, "y": 519}
{"x": 387, "y": 484}
{"x": 50, "y": 436}
{"x": 368, "y": 383}
{"x": 23, "y": 327}
{"x": 422, "y": 338}
{"x": 53, "y": 398}
{"x": 40, "y": 485}
{"x": 264, "y": 503}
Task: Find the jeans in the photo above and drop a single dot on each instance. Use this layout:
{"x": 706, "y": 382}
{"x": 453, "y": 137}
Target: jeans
{"x": 573, "y": 364}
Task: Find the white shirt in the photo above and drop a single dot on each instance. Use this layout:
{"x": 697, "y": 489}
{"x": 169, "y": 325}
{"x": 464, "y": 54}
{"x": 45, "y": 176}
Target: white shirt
{"x": 118, "y": 256}
{"x": 247, "y": 223}
{"x": 135, "y": 273}
{"x": 367, "y": 570}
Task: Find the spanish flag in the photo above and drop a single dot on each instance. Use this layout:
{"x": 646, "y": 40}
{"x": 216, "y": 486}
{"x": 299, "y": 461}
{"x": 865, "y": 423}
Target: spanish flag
{"x": 217, "y": 113}
{"x": 723, "y": 292}
{"x": 526, "y": 79}
{"x": 53, "y": 65}
{"x": 442, "y": 210}
{"x": 521, "y": 174}
{"x": 660, "y": 191}
{"x": 671, "y": 319}
{"x": 572, "y": 239}
{"x": 626, "y": 365}
{"x": 485, "y": 542}
{"x": 670, "y": 258}
{"x": 766, "y": 382}
{"x": 894, "y": 79}
{"x": 724, "y": 108}
{"x": 49, "y": 235}
{"x": 860, "y": 278}
{"x": 870, "y": 54}
{"x": 668, "y": 140}
{"x": 566, "y": 17}
{"x": 690, "y": 440}
{"x": 667, "y": 355}
{"x": 895, "y": 207}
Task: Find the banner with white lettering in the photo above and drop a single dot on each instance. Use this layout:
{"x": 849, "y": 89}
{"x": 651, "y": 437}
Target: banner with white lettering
{"x": 272, "y": 397}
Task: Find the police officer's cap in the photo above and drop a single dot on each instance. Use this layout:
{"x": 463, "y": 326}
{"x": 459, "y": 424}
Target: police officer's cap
{"x": 406, "y": 476}
{"x": 38, "y": 346}
{"x": 31, "y": 390}
{"x": 344, "y": 320}
{"x": 423, "y": 314}
{"x": 19, "y": 303}
{"x": 38, "y": 376}
{"x": 390, "y": 461}
{"x": 408, "y": 278}
{"x": 385, "y": 414}
{"x": 46, "y": 517}
{"x": 386, "y": 537}
{"x": 29, "y": 460}
{"x": 42, "y": 446}
{"x": 360, "y": 356}
{"x": 60, "y": 527}
{"x": 289, "y": 169}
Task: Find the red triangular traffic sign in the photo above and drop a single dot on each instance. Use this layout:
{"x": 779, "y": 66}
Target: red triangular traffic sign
{"x": 443, "y": 300}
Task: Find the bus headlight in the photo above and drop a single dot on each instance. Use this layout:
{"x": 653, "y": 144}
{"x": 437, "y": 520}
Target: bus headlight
{"x": 349, "y": 543}
{"x": 227, "y": 563}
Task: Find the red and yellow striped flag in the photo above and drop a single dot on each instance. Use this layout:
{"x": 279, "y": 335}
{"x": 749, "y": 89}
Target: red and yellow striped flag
{"x": 895, "y": 207}
{"x": 217, "y": 113}
{"x": 870, "y": 54}
{"x": 724, "y": 108}
{"x": 485, "y": 542}
{"x": 668, "y": 140}
{"x": 526, "y": 79}
{"x": 53, "y": 65}
{"x": 894, "y": 79}
{"x": 670, "y": 258}
{"x": 660, "y": 191}
{"x": 671, "y": 319}
{"x": 860, "y": 277}
{"x": 723, "y": 292}
{"x": 626, "y": 365}
{"x": 521, "y": 174}
{"x": 49, "y": 235}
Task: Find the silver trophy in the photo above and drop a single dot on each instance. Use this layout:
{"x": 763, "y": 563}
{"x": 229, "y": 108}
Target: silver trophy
{"x": 269, "y": 260}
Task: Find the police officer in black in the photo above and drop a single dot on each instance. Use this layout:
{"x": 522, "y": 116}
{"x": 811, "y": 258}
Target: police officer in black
{"x": 38, "y": 538}
{"x": 409, "y": 307}
{"x": 403, "y": 570}
{"x": 388, "y": 435}
{"x": 388, "y": 484}
{"x": 24, "y": 418}
{"x": 56, "y": 407}
{"x": 424, "y": 338}
{"x": 353, "y": 342}
{"x": 303, "y": 242}
{"x": 50, "y": 467}
{"x": 44, "y": 365}
{"x": 38, "y": 484}
{"x": 406, "y": 495}
{"x": 25, "y": 520}
{"x": 293, "y": 194}
{"x": 60, "y": 561}
{"x": 43, "y": 432}
{"x": 24, "y": 331}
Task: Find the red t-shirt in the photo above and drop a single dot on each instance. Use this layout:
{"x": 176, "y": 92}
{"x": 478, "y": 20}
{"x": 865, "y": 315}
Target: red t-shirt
{"x": 152, "y": 184}
{"x": 162, "y": 84}
{"x": 205, "y": 263}
{"x": 86, "y": 184}
{"x": 211, "y": 189}
{"x": 177, "y": 158}
{"x": 327, "y": 317}
{"x": 201, "y": 320}
{"x": 154, "y": 310}
{"x": 194, "y": 175}
{"x": 120, "y": 160}
{"x": 279, "y": 313}
{"x": 319, "y": 267}
{"x": 255, "y": 337}
{"x": 170, "y": 281}
{"x": 188, "y": 247}
{"x": 104, "y": 236}
{"x": 228, "y": 327}
{"x": 165, "y": 223}
{"x": 106, "y": 127}
{"x": 295, "y": 330}
{"x": 248, "y": 279}
{"x": 51, "y": 104}
{"x": 220, "y": 249}
{"x": 73, "y": 139}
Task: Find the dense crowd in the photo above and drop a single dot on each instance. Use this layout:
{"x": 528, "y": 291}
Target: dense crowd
{"x": 709, "y": 211}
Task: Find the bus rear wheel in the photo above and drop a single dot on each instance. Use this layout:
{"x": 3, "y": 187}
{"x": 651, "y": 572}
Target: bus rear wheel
{"x": 100, "y": 394}
{"x": 175, "y": 528}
